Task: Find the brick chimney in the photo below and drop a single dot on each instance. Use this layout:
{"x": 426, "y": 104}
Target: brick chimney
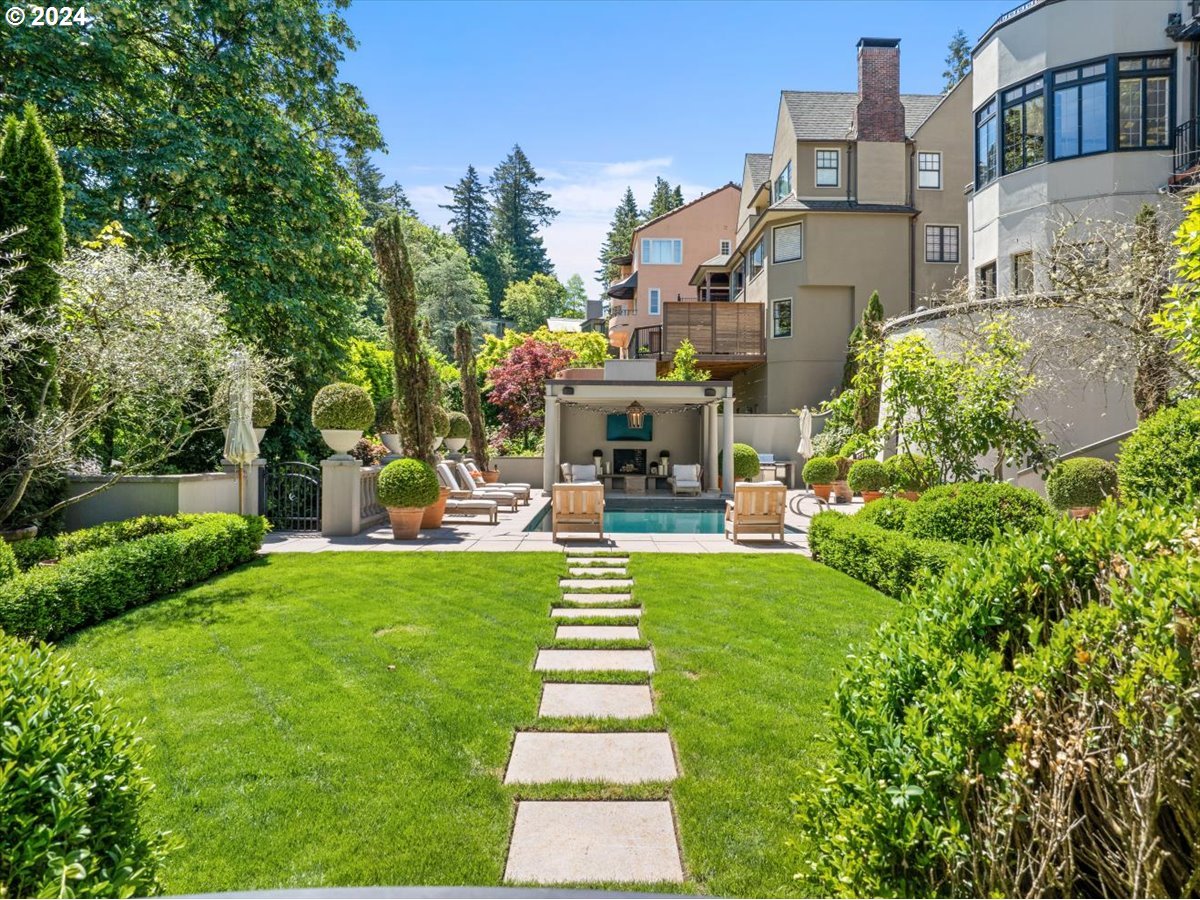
{"x": 879, "y": 115}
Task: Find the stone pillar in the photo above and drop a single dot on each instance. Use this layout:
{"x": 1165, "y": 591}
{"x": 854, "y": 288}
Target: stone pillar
{"x": 341, "y": 497}
{"x": 550, "y": 451}
{"x": 712, "y": 446}
{"x": 727, "y": 445}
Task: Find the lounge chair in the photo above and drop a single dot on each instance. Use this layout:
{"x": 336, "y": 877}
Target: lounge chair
{"x": 577, "y": 508}
{"x": 756, "y": 508}
{"x": 468, "y": 478}
{"x": 458, "y": 492}
{"x": 515, "y": 486}
{"x": 685, "y": 480}
{"x": 473, "y": 508}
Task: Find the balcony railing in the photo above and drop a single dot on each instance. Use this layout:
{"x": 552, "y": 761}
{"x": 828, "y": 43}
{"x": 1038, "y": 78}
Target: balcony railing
{"x": 729, "y": 330}
{"x": 1186, "y": 145}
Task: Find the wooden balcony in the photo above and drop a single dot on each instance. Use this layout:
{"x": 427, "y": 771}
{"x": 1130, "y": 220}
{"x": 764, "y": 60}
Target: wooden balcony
{"x": 728, "y": 337}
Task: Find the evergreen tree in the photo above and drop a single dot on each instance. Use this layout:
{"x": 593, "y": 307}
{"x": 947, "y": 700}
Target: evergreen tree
{"x": 468, "y": 371}
{"x": 958, "y": 59}
{"x": 498, "y": 269}
{"x": 664, "y": 199}
{"x": 576, "y": 301}
{"x": 530, "y": 303}
{"x": 377, "y": 201}
{"x": 620, "y": 234}
{"x": 519, "y": 210}
{"x": 450, "y": 293}
{"x": 866, "y": 414}
{"x": 470, "y": 214}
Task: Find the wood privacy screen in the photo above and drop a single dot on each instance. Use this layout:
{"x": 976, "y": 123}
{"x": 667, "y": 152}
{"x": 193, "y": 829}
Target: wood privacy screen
{"x": 715, "y": 329}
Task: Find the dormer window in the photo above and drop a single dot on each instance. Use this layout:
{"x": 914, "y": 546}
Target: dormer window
{"x": 828, "y": 168}
{"x": 783, "y": 182}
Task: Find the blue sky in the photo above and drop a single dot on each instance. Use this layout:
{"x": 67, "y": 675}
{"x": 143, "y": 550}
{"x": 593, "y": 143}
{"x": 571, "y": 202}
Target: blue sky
{"x": 601, "y": 95}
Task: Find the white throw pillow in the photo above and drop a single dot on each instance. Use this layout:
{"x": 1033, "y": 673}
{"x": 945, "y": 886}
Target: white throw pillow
{"x": 686, "y": 473}
{"x": 583, "y": 473}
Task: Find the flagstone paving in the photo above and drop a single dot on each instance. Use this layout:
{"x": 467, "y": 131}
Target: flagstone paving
{"x": 576, "y": 839}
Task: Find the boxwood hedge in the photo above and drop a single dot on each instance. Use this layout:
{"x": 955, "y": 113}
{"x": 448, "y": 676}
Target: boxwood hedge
{"x": 971, "y": 512}
{"x": 30, "y": 553}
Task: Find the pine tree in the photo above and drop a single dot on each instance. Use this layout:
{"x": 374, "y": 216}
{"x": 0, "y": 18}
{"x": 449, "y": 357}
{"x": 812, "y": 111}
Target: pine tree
{"x": 378, "y": 201}
{"x": 470, "y": 214}
{"x": 866, "y": 415}
{"x": 464, "y": 355}
{"x": 519, "y": 210}
{"x": 576, "y": 302}
{"x": 413, "y": 384}
{"x": 664, "y": 199}
{"x": 958, "y": 59}
{"x": 620, "y": 234}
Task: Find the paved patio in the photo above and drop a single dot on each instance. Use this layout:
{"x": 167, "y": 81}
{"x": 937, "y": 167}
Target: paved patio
{"x": 509, "y": 535}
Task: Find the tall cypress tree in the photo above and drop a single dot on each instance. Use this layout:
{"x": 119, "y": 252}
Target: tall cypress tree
{"x": 519, "y": 210}
{"x": 620, "y": 232}
{"x": 470, "y": 214}
{"x": 464, "y": 355}
{"x": 664, "y": 199}
{"x": 866, "y": 416}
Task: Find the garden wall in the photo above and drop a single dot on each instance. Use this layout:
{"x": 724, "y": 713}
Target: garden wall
{"x": 148, "y": 495}
{"x": 777, "y": 433}
{"x": 520, "y": 469}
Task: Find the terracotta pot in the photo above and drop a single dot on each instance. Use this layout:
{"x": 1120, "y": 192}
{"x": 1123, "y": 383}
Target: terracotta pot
{"x": 868, "y": 496}
{"x": 491, "y": 476}
{"x": 842, "y": 492}
{"x": 406, "y": 521}
{"x": 909, "y": 495}
{"x": 432, "y": 517}
{"x": 822, "y": 491}
{"x": 1082, "y": 512}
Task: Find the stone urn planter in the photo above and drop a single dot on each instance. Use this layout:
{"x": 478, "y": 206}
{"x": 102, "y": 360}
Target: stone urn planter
{"x": 342, "y": 412}
{"x": 24, "y": 533}
{"x": 406, "y": 487}
{"x": 259, "y": 434}
{"x": 454, "y": 445}
{"x": 341, "y": 440}
{"x": 391, "y": 441}
{"x": 436, "y": 511}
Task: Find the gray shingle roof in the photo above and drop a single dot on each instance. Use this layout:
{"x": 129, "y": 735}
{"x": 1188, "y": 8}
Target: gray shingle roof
{"x": 829, "y": 115}
{"x": 758, "y": 165}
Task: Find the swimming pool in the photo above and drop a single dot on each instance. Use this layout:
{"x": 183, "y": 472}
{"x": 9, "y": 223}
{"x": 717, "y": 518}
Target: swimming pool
{"x": 651, "y": 520}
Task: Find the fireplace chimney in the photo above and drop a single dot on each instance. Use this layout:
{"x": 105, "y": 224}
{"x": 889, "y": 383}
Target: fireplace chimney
{"x": 879, "y": 115}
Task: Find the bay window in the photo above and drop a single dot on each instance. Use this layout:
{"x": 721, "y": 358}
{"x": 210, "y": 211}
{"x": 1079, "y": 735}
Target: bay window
{"x": 1081, "y": 111}
{"x": 1143, "y": 102}
{"x": 987, "y": 147}
{"x": 1024, "y": 126}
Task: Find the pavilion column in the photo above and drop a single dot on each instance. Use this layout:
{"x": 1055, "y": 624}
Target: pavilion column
{"x": 550, "y": 453}
{"x": 711, "y": 446}
{"x": 727, "y": 445}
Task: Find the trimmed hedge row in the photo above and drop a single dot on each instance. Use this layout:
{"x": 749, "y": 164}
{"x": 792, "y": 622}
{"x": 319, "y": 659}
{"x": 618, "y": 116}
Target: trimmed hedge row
{"x": 30, "y": 553}
{"x": 83, "y": 589}
{"x": 972, "y": 512}
{"x": 8, "y": 562}
{"x": 889, "y": 561}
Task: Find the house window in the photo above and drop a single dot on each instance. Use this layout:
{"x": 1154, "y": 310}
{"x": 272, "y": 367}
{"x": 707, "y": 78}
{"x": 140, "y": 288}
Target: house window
{"x": 726, "y": 248}
{"x": 1143, "y": 101}
{"x": 828, "y": 165}
{"x": 1081, "y": 111}
{"x": 1024, "y": 126}
{"x": 781, "y": 318}
{"x": 655, "y": 301}
{"x": 662, "y": 251}
{"x": 789, "y": 243}
{"x": 987, "y": 281}
{"x": 757, "y": 256}
{"x": 783, "y": 182}
{"x": 1022, "y": 273}
{"x": 987, "y": 147}
{"x": 929, "y": 171}
{"x": 739, "y": 280}
{"x": 941, "y": 243}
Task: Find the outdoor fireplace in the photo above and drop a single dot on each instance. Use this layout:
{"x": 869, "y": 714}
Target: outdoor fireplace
{"x": 629, "y": 462}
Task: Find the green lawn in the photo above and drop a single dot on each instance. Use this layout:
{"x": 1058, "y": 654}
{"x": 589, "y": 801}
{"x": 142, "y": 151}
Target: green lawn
{"x": 287, "y": 753}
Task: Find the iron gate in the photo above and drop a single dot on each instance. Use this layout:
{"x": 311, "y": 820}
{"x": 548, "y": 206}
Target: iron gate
{"x": 289, "y": 495}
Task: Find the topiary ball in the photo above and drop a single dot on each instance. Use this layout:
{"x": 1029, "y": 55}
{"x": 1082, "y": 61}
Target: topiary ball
{"x": 910, "y": 472}
{"x": 408, "y": 484}
{"x": 745, "y": 461}
{"x": 460, "y": 425}
{"x": 1161, "y": 459}
{"x": 1080, "y": 482}
{"x": 819, "y": 470}
{"x": 441, "y": 422}
{"x": 968, "y": 513}
{"x": 264, "y": 410}
{"x": 343, "y": 406}
{"x": 74, "y": 793}
{"x": 887, "y": 512}
{"x": 868, "y": 475}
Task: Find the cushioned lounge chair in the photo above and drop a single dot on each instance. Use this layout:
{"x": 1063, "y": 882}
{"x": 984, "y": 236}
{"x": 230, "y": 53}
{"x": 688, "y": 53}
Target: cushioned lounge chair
{"x": 473, "y": 508}
{"x": 756, "y": 508}
{"x": 458, "y": 492}
{"x": 467, "y": 477}
{"x": 577, "y": 508}
{"x": 520, "y": 488}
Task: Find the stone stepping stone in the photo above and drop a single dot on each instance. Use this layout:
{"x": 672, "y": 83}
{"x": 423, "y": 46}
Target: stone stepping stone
{"x": 565, "y": 612}
{"x": 594, "y": 661}
{"x": 598, "y": 563}
{"x": 603, "y": 701}
{"x": 605, "y": 573}
{"x": 540, "y": 757}
{"x": 597, "y": 598}
{"x": 573, "y": 841}
{"x": 583, "y": 584}
{"x": 598, "y": 632}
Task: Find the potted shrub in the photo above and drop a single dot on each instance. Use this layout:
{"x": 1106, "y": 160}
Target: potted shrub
{"x": 406, "y": 487}
{"x": 441, "y": 426}
{"x": 869, "y": 478}
{"x": 459, "y": 431}
{"x": 342, "y": 412}
{"x": 385, "y": 424}
{"x": 262, "y": 415}
{"x": 841, "y": 487}
{"x": 1079, "y": 485}
{"x": 745, "y": 464}
{"x": 909, "y": 474}
{"x": 819, "y": 473}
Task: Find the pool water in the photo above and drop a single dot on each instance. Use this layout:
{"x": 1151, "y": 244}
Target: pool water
{"x": 650, "y": 521}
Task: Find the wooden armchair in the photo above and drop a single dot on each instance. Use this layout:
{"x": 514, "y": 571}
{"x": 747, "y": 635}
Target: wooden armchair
{"x": 756, "y": 508}
{"x": 577, "y": 508}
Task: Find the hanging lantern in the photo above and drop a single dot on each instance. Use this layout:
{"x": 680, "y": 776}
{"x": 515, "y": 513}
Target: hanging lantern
{"x": 635, "y": 415}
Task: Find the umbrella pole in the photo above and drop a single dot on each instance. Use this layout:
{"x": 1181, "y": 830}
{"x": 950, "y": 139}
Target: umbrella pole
{"x": 241, "y": 490}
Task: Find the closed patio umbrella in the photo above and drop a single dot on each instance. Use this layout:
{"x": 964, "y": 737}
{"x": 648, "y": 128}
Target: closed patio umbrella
{"x": 241, "y": 446}
{"x": 805, "y": 447}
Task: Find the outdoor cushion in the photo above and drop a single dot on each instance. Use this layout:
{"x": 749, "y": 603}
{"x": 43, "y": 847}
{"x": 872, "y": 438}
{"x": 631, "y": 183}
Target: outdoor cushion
{"x": 566, "y": 471}
{"x": 581, "y": 474}
{"x": 686, "y": 474}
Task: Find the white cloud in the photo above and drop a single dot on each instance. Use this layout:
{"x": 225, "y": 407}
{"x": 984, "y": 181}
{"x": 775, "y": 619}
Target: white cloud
{"x": 585, "y": 194}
